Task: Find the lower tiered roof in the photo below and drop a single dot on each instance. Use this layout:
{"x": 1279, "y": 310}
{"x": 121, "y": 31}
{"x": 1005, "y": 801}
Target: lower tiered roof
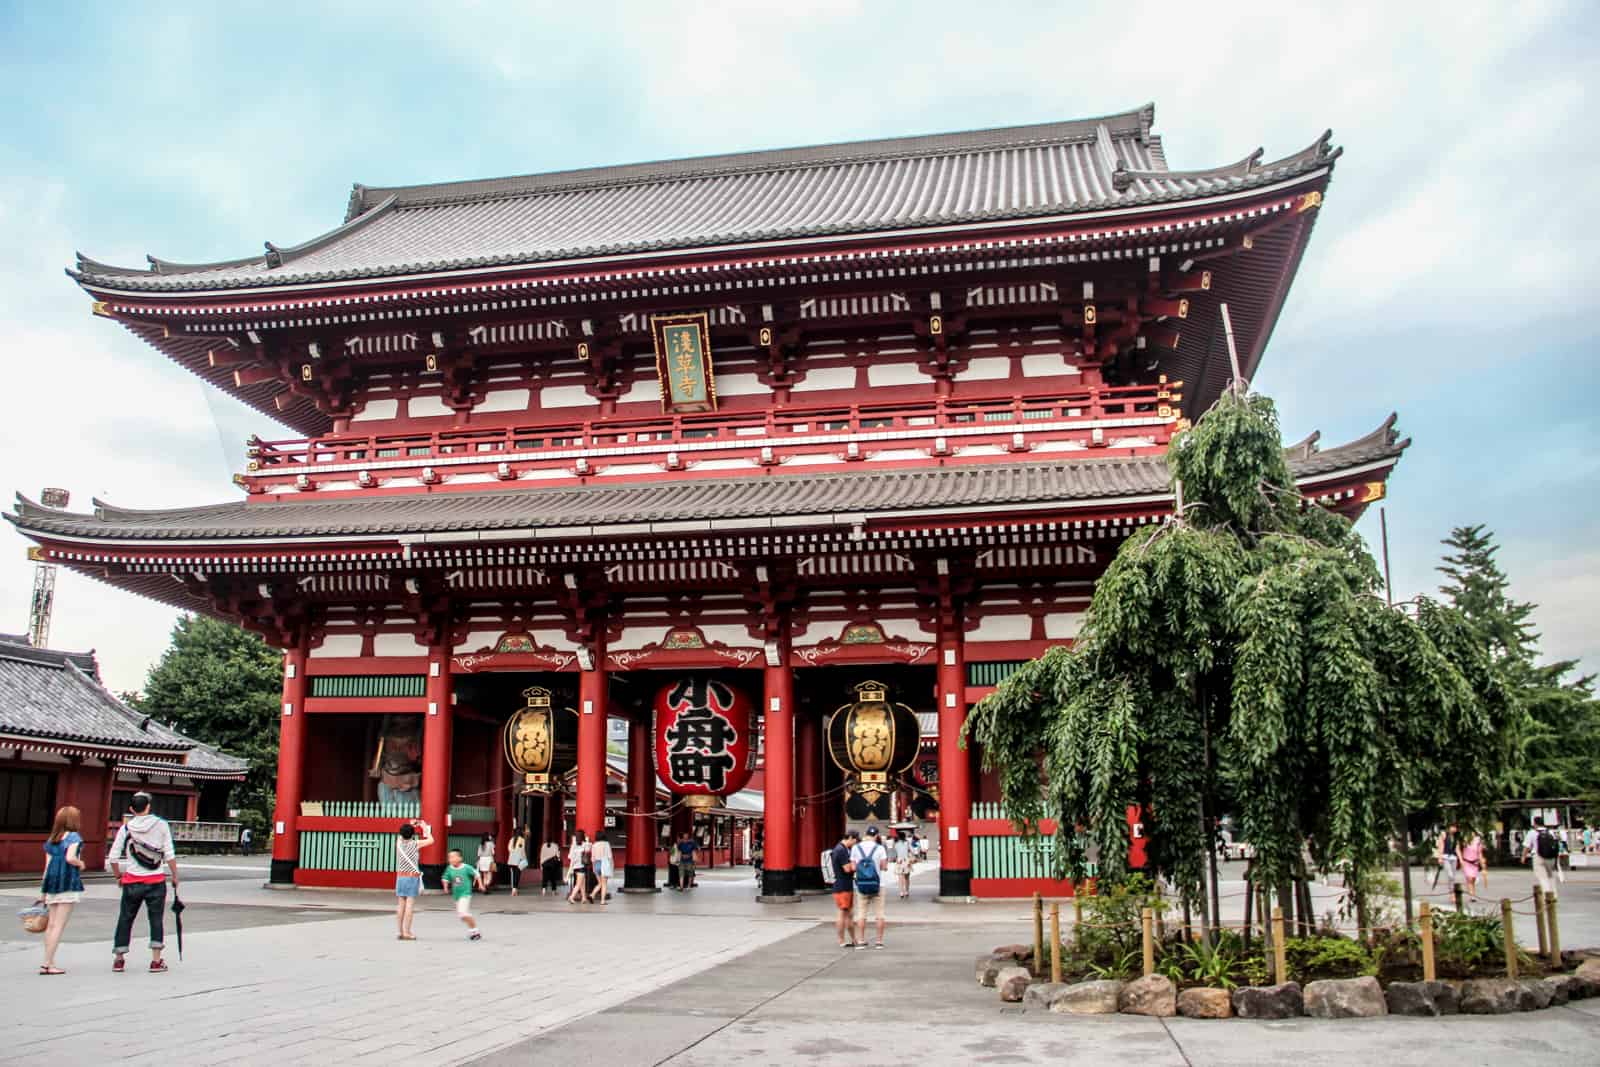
{"x": 676, "y": 506}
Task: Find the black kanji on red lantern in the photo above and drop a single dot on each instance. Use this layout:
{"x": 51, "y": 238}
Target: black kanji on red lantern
{"x": 698, "y": 740}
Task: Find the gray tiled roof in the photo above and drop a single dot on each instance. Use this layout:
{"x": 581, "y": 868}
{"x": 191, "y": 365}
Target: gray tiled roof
{"x": 580, "y": 508}
{"x": 1016, "y": 173}
{"x": 55, "y": 696}
{"x": 46, "y": 696}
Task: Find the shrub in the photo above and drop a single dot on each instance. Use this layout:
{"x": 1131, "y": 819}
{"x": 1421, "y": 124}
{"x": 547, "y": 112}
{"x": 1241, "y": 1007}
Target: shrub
{"x": 1112, "y": 917}
{"x": 1327, "y": 957}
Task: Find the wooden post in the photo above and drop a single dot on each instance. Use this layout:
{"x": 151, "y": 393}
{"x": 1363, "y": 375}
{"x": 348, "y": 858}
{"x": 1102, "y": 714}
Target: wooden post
{"x": 1456, "y": 889}
{"x": 1249, "y": 899}
{"x": 1280, "y": 953}
{"x": 1538, "y": 920}
{"x": 1146, "y": 921}
{"x": 1038, "y": 934}
{"x": 1555, "y": 929}
{"x": 1425, "y": 915}
{"x": 1077, "y": 919}
{"x": 1055, "y": 942}
{"x": 1507, "y": 936}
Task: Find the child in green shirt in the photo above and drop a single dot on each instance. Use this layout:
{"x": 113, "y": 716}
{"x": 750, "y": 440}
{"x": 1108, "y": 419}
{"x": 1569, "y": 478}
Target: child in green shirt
{"x": 459, "y": 879}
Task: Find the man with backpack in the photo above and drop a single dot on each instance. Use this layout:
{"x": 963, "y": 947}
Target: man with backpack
{"x": 143, "y": 847}
{"x": 1543, "y": 850}
{"x": 869, "y": 860}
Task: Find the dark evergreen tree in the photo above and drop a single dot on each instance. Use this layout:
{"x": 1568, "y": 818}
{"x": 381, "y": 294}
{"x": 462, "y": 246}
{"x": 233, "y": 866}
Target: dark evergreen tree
{"x": 221, "y": 685}
{"x": 1559, "y": 737}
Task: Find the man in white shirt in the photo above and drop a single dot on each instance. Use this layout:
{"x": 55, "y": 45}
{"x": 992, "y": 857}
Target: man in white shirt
{"x": 871, "y": 856}
{"x": 1546, "y": 869}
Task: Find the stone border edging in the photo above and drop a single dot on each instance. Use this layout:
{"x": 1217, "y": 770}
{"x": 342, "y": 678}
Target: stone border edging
{"x": 1329, "y": 998}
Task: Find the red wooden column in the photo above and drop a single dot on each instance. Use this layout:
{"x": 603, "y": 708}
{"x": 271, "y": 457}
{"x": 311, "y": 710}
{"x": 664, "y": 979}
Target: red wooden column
{"x": 955, "y": 769}
{"x": 591, "y": 813}
{"x": 811, "y": 822}
{"x": 291, "y": 767}
{"x": 778, "y": 879}
{"x": 437, "y": 740}
{"x": 639, "y": 875}
{"x": 551, "y": 819}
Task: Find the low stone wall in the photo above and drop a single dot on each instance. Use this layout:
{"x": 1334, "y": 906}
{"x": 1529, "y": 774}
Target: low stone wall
{"x": 1343, "y": 998}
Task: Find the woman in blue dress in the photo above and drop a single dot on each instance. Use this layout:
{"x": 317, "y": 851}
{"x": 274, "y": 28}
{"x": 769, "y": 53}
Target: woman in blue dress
{"x": 63, "y": 884}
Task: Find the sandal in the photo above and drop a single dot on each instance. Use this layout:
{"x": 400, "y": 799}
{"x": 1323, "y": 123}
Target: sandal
{"x": 51, "y": 970}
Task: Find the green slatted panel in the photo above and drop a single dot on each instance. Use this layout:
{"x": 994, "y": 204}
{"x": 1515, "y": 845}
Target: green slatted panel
{"x": 368, "y": 685}
{"x": 468, "y": 844}
{"x": 472, "y": 812}
{"x": 991, "y": 672}
{"x": 330, "y": 850}
{"x": 371, "y": 809}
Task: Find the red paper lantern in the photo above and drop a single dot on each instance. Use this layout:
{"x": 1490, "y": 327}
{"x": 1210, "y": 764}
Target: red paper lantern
{"x": 703, "y": 742}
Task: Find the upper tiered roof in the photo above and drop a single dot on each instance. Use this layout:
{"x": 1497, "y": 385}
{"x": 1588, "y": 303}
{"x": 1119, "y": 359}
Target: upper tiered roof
{"x": 1112, "y": 165}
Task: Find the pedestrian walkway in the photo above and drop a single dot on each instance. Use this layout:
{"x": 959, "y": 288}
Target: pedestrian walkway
{"x": 316, "y": 976}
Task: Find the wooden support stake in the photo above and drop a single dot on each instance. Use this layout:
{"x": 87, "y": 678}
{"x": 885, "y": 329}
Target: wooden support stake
{"x": 1538, "y": 920}
{"x": 1555, "y": 929}
{"x": 1147, "y": 922}
{"x": 1055, "y": 942}
{"x": 1038, "y": 934}
{"x": 1249, "y": 899}
{"x": 1460, "y": 907}
{"x": 1280, "y": 954}
{"x": 1506, "y": 935}
{"x": 1077, "y": 920}
{"x": 1425, "y": 916}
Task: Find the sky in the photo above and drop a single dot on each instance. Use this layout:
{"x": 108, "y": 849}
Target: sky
{"x": 1445, "y": 280}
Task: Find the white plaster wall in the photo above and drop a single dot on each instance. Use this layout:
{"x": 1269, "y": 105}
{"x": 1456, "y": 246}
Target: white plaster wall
{"x": 377, "y": 410}
{"x": 397, "y": 645}
{"x": 1047, "y": 365}
{"x": 986, "y": 368}
{"x": 338, "y": 645}
{"x": 478, "y": 639}
{"x": 827, "y": 378}
{"x": 1063, "y": 625}
{"x": 739, "y": 385}
{"x": 565, "y": 396}
{"x": 1002, "y": 628}
{"x": 505, "y": 400}
{"x": 645, "y": 391}
{"x": 894, "y": 374}
{"x": 427, "y": 406}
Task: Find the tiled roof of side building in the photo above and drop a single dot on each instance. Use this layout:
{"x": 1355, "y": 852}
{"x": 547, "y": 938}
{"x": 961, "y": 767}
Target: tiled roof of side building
{"x": 45, "y": 696}
{"x": 580, "y": 508}
{"x": 906, "y": 183}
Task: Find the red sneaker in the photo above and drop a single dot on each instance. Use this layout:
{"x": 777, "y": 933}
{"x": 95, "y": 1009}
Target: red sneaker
{"x": 119, "y": 965}
{"x": 158, "y": 966}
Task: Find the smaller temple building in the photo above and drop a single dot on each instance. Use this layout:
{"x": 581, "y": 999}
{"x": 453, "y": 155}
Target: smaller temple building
{"x": 65, "y": 739}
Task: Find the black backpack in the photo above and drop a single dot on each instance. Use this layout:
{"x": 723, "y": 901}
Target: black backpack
{"x": 1547, "y": 846}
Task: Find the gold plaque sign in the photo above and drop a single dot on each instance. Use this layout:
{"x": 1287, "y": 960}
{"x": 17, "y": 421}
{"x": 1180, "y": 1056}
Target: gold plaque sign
{"x": 683, "y": 362}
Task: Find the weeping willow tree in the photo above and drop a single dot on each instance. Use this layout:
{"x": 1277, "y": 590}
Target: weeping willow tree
{"x": 1243, "y": 659}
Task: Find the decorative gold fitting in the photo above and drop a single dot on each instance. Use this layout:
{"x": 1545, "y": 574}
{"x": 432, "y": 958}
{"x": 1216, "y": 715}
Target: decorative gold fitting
{"x": 1183, "y": 309}
{"x": 935, "y": 324}
{"x": 1310, "y": 200}
{"x": 1249, "y": 242}
{"x": 1090, "y": 315}
{"x": 101, "y": 308}
{"x": 699, "y": 802}
{"x": 766, "y": 336}
{"x": 305, "y": 372}
{"x": 35, "y": 554}
{"x": 430, "y": 362}
{"x": 1164, "y": 411}
{"x": 583, "y": 349}
{"x": 1205, "y": 279}
{"x": 253, "y": 465}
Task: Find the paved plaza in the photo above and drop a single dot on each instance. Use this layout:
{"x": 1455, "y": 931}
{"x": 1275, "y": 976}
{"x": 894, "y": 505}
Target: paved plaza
{"x": 711, "y": 976}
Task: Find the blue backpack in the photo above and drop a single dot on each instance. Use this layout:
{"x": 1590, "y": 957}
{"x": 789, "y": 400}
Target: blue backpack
{"x": 867, "y": 874}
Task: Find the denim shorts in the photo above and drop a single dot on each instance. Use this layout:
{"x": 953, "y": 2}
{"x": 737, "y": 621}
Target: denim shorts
{"x": 407, "y": 885}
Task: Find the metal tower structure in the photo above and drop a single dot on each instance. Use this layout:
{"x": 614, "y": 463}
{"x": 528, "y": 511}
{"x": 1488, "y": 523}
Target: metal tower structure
{"x": 44, "y": 596}
{"x": 44, "y": 580}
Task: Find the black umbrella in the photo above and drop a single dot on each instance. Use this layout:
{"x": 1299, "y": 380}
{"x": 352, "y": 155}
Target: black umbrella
{"x": 177, "y": 918}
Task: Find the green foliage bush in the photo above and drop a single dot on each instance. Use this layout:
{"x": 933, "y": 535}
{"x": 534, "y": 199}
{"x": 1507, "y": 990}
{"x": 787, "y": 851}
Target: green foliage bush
{"x": 1113, "y": 917}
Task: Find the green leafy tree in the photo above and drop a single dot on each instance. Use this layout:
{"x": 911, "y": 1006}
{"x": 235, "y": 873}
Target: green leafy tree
{"x": 221, "y": 685}
{"x": 1559, "y": 738}
{"x": 1241, "y": 658}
